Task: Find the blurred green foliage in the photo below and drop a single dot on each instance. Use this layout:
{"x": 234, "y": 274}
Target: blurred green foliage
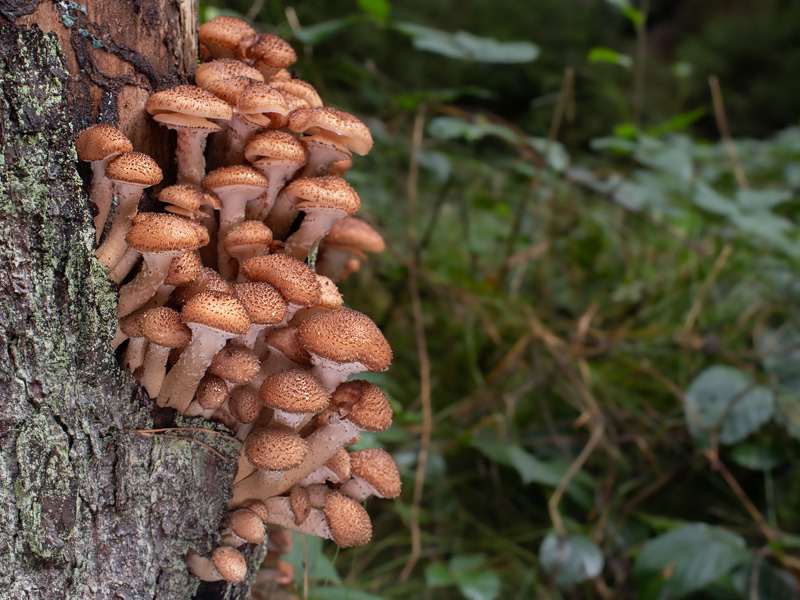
{"x": 590, "y": 258}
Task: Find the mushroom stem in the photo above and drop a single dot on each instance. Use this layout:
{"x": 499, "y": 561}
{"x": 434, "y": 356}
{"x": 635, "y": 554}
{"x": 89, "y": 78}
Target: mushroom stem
{"x": 315, "y": 226}
{"x": 144, "y": 286}
{"x": 281, "y": 514}
{"x": 124, "y": 265}
{"x": 112, "y": 249}
{"x": 189, "y": 152}
{"x": 102, "y": 193}
{"x": 154, "y": 370}
{"x": 278, "y": 174}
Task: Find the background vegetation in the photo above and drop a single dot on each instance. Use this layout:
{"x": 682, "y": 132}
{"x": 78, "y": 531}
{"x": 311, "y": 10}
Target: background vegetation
{"x": 591, "y": 296}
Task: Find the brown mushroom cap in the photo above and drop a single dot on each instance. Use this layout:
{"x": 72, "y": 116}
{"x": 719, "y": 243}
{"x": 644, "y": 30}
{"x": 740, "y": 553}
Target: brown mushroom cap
{"x": 207, "y": 279}
{"x": 101, "y": 141}
{"x": 217, "y": 310}
{"x": 300, "y": 504}
{"x": 258, "y": 507}
{"x": 330, "y": 298}
{"x": 245, "y": 405}
{"x": 294, "y": 391}
{"x": 264, "y": 304}
{"x": 274, "y": 448}
{"x": 285, "y": 340}
{"x": 184, "y": 269}
{"x": 134, "y": 168}
{"x": 345, "y": 335}
{"x": 270, "y": 50}
{"x": 248, "y": 236}
{"x": 163, "y": 326}
{"x": 339, "y": 463}
{"x": 334, "y": 124}
{"x": 353, "y": 233}
{"x": 292, "y": 278}
{"x": 235, "y": 364}
{"x": 188, "y": 106}
{"x": 301, "y": 89}
{"x": 349, "y": 522}
{"x": 224, "y": 68}
{"x": 211, "y": 392}
{"x": 185, "y": 200}
{"x": 261, "y": 105}
{"x": 377, "y": 468}
{"x": 131, "y": 325}
{"x": 229, "y": 89}
{"x": 230, "y": 563}
{"x": 224, "y": 33}
{"x": 276, "y": 145}
{"x": 247, "y": 525}
{"x": 363, "y": 403}
{"x": 156, "y": 233}
{"x": 328, "y": 192}
{"x": 234, "y": 179}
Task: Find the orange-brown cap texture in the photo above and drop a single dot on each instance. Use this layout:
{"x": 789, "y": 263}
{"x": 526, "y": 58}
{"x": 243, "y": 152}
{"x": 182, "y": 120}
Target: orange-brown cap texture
{"x": 207, "y": 279}
{"x": 247, "y": 236}
{"x": 264, "y": 304}
{"x": 191, "y": 101}
{"x": 271, "y": 50}
{"x": 258, "y": 507}
{"x": 276, "y": 145}
{"x": 299, "y": 88}
{"x": 274, "y": 448}
{"x": 230, "y": 563}
{"x": 329, "y": 191}
{"x": 247, "y": 525}
{"x": 235, "y": 364}
{"x": 236, "y": 176}
{"x": 334, "y": 123}
{"x": 352, "y": 232}
{"x": 134, "y": 168}
{"x": 345, "y": 335}
{"x": 339, "y": 463}
{"x": 245, "y": 405}
{"x": 131, "y": 325}
{"x": 183, "y": 199}
{"x": 99, "y": 142}
{"x": 330, "y": 298}
{"x": 224, "y": 68}
{"x": 217, "y": 310}
{"x": 364, "y": 404}
{"x": 349, "y": 522}
{"x": 184, "y": 269}
{"x": 294, "y": 391}
{"x": 224, "y": 31}
{"x": 260, "y": 100}
{"x": 378, "y": 469}
{"x": 285, "y": 340}
{"x": 211, "y": 392}
{"x": 301, "y": 506}
{"x": 292, "y": 278}
{"x": 160, "y": 232}
{"x": 163, "y": 326}
{"x": 229, "y": 89}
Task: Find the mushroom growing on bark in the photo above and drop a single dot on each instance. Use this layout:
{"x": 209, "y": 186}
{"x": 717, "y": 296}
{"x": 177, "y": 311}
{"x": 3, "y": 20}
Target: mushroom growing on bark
{"x": 225, "y": 563}
{"x": 278, "y": 156}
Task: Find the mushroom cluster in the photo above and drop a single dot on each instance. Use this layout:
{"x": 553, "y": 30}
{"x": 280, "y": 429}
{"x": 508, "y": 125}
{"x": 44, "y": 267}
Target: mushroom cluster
{"x": 221, "y": 311}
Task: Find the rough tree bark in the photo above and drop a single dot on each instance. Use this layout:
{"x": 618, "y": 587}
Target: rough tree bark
{"x": 88, "y": 509}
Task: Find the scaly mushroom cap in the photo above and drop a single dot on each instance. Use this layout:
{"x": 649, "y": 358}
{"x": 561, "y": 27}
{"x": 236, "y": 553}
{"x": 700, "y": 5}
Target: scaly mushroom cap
{"x": 163, "y": 326}
{"x": 248, "y": 236}
{"x": 328, "y": 192}
{"x": 258, "y": 507}
{"x": 221, "y": 35}
{"x": 224, "y": 68}
{"x": 294, "y": 391}
{"x": 274, "y": 448}
{"x": 300, "y": 504}
{"x": 211, "y": 392}
{"x": 262, "y": 106}
{"x": 345, "y": 335}
{"x": 229, "y": 89}
{"x": 264, "y": 304}
{"x": 230, "y": 563}
{"x": 363, "y": 403}
{"x": 349, "y": 522}
{"x": 339, "y": 463}
{"x": 354, "y": 234}
{"x": 331, "y": 298}
{"x": 184, "y": 269}
{"x": 247, "y": 525}
{"x": 134, "y": 168}
{"x": 293, "y": 278}
{"x": 185, "y": 200}
{"x": 235, "y": 179}
{"x": 294, "y": 103}
{"x": 188, "y": 106}
{"x": 378, "y": 469}
{"x": 131, "y": 325}
{"x": 100, "y": 141}
{"x": 217, "y": 310}
{"x": 301, "y": 89}
{"x": 270, "y": 50}
{"x": 235, "y": 364}
{"x": 245, "y": 405}
{"x": 273, "y": 146}
{"x": 334, "y": 124}
{"x": 285, "y": 340}
{"x": 157, "y": 233}
{"x": 208, "y": 279}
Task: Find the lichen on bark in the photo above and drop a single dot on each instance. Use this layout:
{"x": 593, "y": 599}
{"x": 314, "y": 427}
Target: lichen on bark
{"x": 88, "y": 507}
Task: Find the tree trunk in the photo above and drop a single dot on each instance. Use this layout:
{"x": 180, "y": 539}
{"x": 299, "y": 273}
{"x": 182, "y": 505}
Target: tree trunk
{"x": 88, "y": 507}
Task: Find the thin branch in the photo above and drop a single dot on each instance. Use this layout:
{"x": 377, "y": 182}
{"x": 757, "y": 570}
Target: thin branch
{"x": 722, "y": 125}
{"x": 697, "y": 303}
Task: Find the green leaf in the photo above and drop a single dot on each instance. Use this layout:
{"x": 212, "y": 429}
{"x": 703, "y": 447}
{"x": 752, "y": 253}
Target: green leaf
{"x": 607, "y": 55}
{"x": 780, "y": 355}
{"x": 483, "y": 585}
{"x": 677, "y": 123}
{"x": 672, "y": 159}
{"x": 613, "y": 145}
{"x": 774, "y": 583}
{"x": 314, "y": 34}
{"x": 769, "y": 228}
{"x": 758, "y": 457}
{"x": 634, "y": 16}
{"x": 339, "y": 593}
{"x": 756, "y": 200}
{"x": 685, "y": 560}
{"x": 438, "y": 163}
{"x": 438, "y": 575}
{"x": 320, "y": 567}
{"x": 449, "y": 128}
{"x": 709, "y": 200}
{"x": 571, "y": 560}
{"x": 725, "y": 398}
{"x": 379, "y": 9}
{"x": 466, "y": 46}
{"x": 556, "y": 154}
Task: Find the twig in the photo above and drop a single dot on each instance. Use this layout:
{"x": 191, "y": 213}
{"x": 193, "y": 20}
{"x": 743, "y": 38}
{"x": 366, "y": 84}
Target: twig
{"x": 201, "y": 429}
{"x": 722, "y": 125}
{"x": 697, "y": 303}
{"x": 755, "y": 572}
{"x": 422, "y": 348}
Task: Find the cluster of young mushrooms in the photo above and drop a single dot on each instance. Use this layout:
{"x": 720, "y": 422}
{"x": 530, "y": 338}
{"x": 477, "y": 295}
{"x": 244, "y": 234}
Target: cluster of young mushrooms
{"x": 233, "y": 315}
